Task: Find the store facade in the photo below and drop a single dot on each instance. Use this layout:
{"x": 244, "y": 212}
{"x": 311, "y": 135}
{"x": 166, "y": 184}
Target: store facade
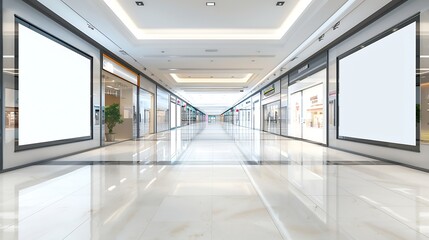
{"x": 70, "y": 117}
{"x": 338, "y": 97}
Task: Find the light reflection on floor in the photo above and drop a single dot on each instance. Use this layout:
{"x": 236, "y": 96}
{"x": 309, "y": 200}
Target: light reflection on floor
{"x": 214, "y": 181}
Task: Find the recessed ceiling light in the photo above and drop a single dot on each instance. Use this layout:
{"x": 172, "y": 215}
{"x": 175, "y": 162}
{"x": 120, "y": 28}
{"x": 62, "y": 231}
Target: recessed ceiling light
{"x": 139, "y": 3}
{"x": 211, "y": 4}
{"x": 281, "y": 3}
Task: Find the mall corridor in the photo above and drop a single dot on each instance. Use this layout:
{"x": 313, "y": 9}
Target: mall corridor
{"x": 214, "y": 181}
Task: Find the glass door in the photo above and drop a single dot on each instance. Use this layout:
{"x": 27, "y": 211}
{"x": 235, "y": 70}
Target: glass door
{"x": 178, "y": 115}
{"x": 256, "y": 115}
{"x": 146, "y": 117}
{"x": 295, "y": 113}
{"x": 272, "y": 117}
{"x": 313, "y": 124}
{"x": 307, "y": 108}
{"x": 172, "y": 114}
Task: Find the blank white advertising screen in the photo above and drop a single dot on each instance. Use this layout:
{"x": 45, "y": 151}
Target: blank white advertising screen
{"x": 377, "y": 90}
{"x": 54, "y": 85}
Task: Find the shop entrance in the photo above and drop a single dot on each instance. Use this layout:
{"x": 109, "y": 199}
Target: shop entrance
{"x": 272, "y": 117}
{"x": 307, "y": 108}
{"x": 123, "y": 94}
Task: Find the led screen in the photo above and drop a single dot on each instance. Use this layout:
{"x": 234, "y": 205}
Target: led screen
{"x": 54, "y": 85}
{"x": 377, "y": 90}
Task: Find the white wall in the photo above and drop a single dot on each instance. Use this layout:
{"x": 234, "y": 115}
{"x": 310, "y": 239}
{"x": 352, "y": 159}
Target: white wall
{"x": 405, "y": 11}
{"x": 21, "y": 9}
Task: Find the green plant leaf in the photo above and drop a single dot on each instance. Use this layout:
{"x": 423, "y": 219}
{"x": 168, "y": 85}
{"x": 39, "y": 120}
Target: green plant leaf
{"x": 112, "y": 116}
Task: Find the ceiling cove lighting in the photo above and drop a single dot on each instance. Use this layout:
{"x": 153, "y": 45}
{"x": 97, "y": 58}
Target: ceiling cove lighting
{"x": 210, "y": 4}
{"x": 208, "y": 34}
{"x": 211, "y": 80}
{"x": 338, "y": 15}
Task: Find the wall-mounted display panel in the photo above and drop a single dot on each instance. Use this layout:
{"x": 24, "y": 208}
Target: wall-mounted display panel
{"x": 377, "y": 90}
{"x": 55, "y": 90}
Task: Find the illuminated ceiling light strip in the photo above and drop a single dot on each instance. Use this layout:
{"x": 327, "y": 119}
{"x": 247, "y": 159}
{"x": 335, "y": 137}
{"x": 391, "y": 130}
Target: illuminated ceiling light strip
{"x": 292, "y": 17}
{"x": 206, "y": 34}
{"x": 333, "y": 19}
{"x": 211, "y": 80}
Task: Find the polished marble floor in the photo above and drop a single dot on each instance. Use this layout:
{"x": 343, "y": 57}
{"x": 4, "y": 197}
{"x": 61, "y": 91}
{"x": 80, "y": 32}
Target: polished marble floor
{"x": 214, "y": 181}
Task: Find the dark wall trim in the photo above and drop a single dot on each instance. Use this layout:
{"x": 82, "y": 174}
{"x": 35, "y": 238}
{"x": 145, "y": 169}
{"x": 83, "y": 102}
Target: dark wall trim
{"x": 101, "y": 107}
{"x": 381, "y": 159}
{"x": 327, "y": 113}
{"x": 21, "y": 21}
{"x": 308, "y": 68}
{"x": 386, "y": 33}
{"x": 46, "y": 160}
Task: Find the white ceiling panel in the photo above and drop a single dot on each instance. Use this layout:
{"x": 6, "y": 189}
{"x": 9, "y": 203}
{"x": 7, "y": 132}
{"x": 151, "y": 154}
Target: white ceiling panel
{"x": 211, "y": 57}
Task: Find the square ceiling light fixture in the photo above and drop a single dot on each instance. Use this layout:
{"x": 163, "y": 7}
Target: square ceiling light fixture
{"x": 210, "y": 4}
{"x": 139, "y": 3}
{"x": 281, "y": 3}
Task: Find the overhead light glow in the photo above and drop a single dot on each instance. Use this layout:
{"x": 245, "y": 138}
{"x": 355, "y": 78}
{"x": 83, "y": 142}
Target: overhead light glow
{"x": 206, "y": 34}
{"x": 293, "y": 56}
{"x": 211, "y": 80}
{"x": 210, "y": 3}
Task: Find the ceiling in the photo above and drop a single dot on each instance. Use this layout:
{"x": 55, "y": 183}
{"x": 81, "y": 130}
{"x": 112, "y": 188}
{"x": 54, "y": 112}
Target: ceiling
{"x": 213, "y": 56}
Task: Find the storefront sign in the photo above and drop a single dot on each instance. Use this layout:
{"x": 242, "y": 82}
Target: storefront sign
{"x": 303, "y": 68}
{"x": 314, "y": 99}
{"x": 270, "y": 90}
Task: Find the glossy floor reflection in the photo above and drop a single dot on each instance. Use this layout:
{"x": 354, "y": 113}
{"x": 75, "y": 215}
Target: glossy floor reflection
{"x": 214, "y": 181}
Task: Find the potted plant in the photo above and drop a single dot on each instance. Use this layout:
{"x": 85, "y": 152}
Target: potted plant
{"x": 112, "y": 117}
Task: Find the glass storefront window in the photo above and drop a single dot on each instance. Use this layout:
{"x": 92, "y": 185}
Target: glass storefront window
{"x": 162, "y": 110}
{"x": 256, "y": 107}
{"x": 119, "y": 91}
{"x": 284, "y": 106}
{"x": 146, "y": 117}
{"x": 272, "y": 117}
{"x": 179, "y": 113}
{"x": 307, "y": 108}
{"x": 172, "y": 112}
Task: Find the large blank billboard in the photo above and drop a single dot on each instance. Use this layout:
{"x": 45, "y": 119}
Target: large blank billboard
{"x": 377, "y": 90}
{"x": 54, "y": 89}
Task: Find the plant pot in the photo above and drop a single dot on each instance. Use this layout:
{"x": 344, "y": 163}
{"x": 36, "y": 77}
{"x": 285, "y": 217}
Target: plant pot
{"x": 110, "y": 137}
